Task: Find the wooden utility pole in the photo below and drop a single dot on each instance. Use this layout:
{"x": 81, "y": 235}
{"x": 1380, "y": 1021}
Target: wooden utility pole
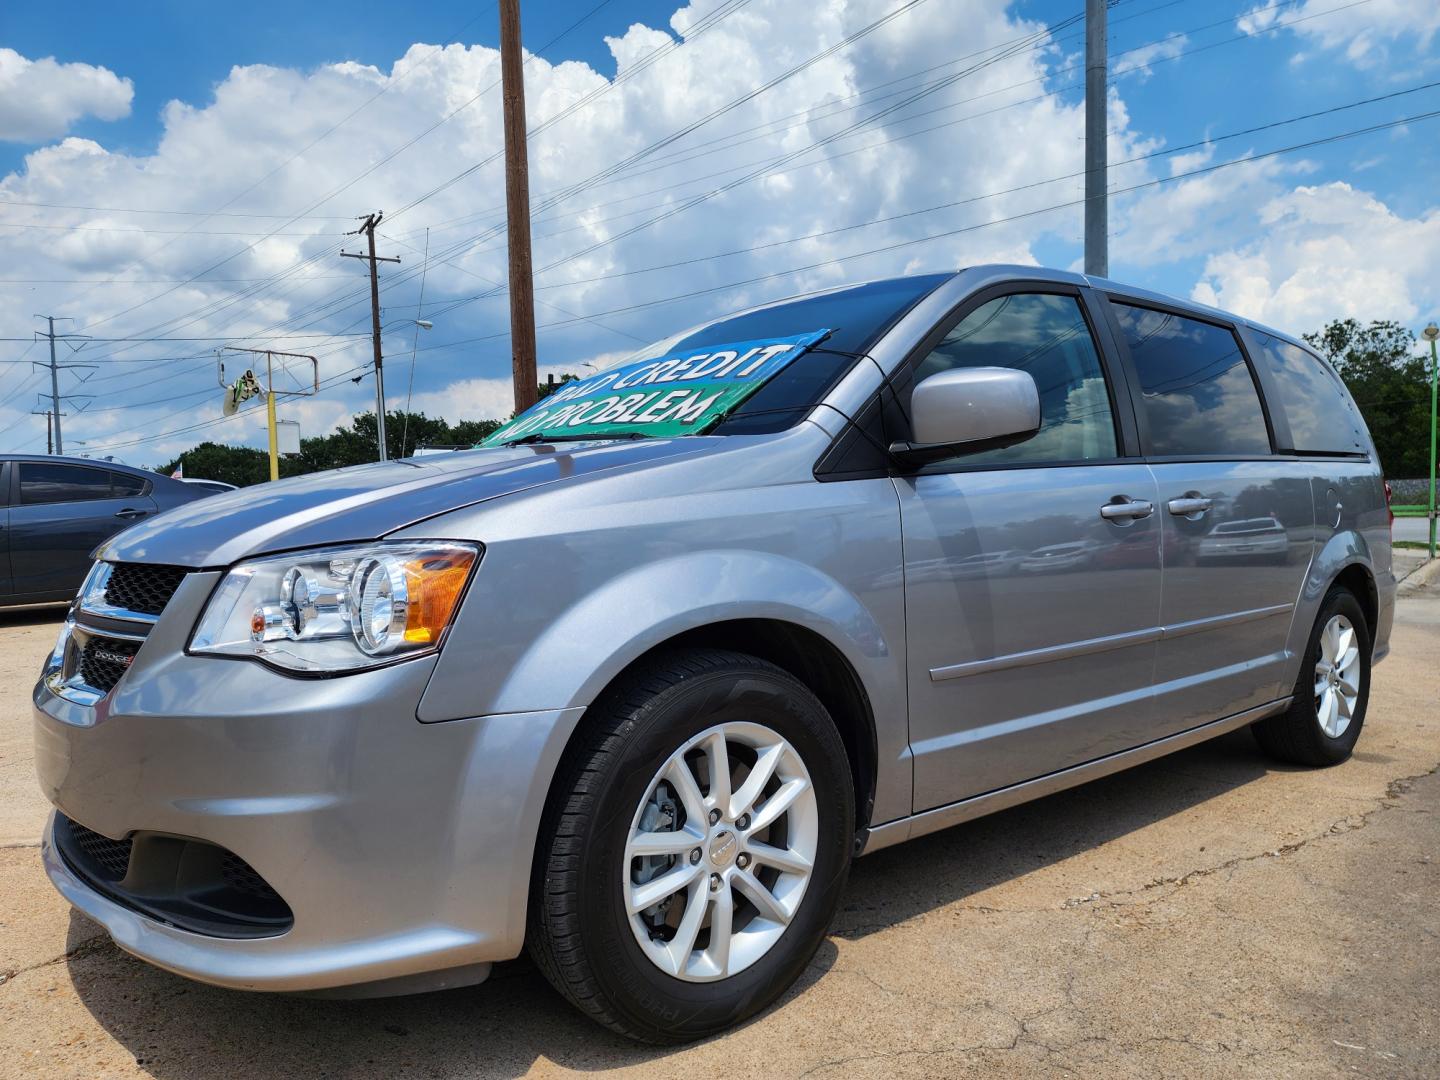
{"x": 372, "y": 220}
{"x": 517, "y": 205}
{"x": 49, "y": 428}
{"x": 1097, "y": 193}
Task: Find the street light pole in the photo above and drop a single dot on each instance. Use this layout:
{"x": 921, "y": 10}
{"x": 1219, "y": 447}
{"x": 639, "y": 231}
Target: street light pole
{"x": 1430, "y": 333}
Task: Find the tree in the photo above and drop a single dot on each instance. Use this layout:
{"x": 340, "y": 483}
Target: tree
{"x": 238, "y": 465}
{"x": 349, "y": 444}
{"x": 352, "y": 444}
{"x": 1390, "y": 384}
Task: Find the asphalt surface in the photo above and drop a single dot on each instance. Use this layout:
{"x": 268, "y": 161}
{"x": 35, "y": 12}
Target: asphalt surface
{"x": 1414, "y": 529}
{"x": 1209, "y": 914}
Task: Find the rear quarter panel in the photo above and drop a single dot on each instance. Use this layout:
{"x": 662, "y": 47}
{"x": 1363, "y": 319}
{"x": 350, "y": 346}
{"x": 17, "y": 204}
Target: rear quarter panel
{"x": 1352, "y": 527}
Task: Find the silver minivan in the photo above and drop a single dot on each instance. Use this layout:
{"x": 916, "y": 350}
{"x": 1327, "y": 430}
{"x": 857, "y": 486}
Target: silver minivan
{"x": 633, "y": 682}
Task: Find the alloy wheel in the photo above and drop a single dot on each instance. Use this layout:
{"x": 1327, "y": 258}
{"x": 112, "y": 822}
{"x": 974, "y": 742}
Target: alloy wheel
{"x": 720, "y": 852}
{"x": 1337, "y": 676}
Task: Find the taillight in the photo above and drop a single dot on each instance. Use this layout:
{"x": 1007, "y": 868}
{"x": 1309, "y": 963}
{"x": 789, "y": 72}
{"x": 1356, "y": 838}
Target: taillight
{"x": 1389, "y": 496}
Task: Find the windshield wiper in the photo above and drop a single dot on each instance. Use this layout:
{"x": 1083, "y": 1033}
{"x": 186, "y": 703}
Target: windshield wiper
{"x": 541, "y": 437}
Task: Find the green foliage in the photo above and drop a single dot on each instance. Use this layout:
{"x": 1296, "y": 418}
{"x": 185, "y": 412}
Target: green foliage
{"x": 238, "y": 465}
{"x": 1390, "y": 384}
{"x": 352, "y": 444}
{"x": 549, "y": 387}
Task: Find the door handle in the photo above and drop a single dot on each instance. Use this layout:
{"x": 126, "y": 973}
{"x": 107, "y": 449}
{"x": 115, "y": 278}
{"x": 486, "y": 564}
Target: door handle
{"x": 130, "y": 514}
{"x": 1191, "y": 507}
{"x": 1126, "y": 509}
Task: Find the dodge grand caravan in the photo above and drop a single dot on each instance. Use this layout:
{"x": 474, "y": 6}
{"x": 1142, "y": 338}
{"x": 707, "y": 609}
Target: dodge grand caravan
{"x": 633, "y": 682}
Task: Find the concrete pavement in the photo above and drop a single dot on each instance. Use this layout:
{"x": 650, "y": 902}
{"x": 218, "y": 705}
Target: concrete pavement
{"x": 1209, "y": 914}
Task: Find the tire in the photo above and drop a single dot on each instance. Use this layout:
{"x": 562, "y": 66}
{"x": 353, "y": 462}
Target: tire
{"x": 1297, "y": 735}
{"x": 582, "y": 933}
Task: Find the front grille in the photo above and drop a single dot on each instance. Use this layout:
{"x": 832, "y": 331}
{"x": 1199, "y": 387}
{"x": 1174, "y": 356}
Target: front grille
{"x": 141, "y": 587}
{"x": 104, "y": 660}
{"x": 109, "y": 859}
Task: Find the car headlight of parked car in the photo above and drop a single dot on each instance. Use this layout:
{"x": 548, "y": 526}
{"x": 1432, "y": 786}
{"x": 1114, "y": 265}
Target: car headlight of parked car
{"x": 338, "y": 609}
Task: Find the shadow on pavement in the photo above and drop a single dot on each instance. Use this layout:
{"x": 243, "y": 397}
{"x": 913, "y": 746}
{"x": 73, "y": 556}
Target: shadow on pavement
{"x": 33, "y": 616}
{"x": 179, "y": 1029}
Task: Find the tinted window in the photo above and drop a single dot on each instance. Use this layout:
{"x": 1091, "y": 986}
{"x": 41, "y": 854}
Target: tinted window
{"x": 1047, "y": 336}
{"x": 41, "y": 482}
{"x": 1199, "y": 395}
{"x": 1322, "y": 420}
{"x": 125, "y": 486}
{"x": 856, "y": 316}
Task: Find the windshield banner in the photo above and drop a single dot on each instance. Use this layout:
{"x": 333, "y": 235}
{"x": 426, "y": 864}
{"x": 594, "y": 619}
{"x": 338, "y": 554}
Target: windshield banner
{"x": 684, "y": 393}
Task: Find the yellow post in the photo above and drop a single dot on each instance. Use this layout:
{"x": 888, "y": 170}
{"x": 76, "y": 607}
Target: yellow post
{"x": 270, "y": 421}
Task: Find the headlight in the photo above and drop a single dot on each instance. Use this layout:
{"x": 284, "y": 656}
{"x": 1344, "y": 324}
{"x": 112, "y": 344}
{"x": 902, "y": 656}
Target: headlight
{"x": 341, "y": 609}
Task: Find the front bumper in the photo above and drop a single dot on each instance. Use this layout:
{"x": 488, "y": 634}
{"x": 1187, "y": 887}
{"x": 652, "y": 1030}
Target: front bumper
{"x": 403, "y": 849}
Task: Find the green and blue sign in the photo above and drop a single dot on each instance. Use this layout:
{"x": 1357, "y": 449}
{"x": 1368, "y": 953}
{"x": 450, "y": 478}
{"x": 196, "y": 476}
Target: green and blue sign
{"x": 683, "y": 393}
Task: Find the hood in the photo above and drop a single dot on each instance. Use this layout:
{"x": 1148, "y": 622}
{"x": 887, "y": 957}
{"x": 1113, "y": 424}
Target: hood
{"x": 365, "y": 502}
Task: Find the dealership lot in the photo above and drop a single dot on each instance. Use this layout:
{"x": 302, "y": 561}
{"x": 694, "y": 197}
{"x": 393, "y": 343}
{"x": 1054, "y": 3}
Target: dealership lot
{"x": 1209, "y": 914}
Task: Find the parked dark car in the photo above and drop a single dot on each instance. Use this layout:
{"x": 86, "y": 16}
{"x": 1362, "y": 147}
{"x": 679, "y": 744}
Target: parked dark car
{"x": 57, "y": 510}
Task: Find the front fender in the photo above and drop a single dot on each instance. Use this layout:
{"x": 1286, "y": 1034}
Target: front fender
{"x": 591, "y": 643}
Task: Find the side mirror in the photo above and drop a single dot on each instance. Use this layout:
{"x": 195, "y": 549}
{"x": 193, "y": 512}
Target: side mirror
{"x": 966, "y": 410}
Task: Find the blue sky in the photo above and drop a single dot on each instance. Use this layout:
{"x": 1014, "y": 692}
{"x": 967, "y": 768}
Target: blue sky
{"x": 175, "y": 49}
{"x": 162, "y": 207}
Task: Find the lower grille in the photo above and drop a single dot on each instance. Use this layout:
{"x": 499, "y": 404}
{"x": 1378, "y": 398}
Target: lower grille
{"x": 104, "y": 660}
{"x": 241, "y": 877}
{"x": 110, "y": 859}
{"x": 191, "y": 884}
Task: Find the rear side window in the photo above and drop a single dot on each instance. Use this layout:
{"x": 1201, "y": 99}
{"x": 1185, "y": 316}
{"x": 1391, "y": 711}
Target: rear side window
{"x": 1322, "y": 420}
{"x": 125, "y": 486}
{"x": 1199, "y": 396}
{"x": 41, "y": 482}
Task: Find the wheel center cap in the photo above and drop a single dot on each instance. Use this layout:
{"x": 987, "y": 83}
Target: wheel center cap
{"x": 722, "y": 849}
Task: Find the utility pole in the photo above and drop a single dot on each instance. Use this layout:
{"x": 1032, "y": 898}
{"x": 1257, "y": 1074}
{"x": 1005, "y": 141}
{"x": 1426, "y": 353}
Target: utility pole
{"x": 1430, "y": 333}
{"x": 1097, "y": 210}
{"x": 517, "y": 206}
{"x": 49, "y": 428}
{"x": 372, "y": 220}
{"x": 55, "y": 369}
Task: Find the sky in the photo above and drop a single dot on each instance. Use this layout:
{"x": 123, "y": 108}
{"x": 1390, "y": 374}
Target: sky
{"x": 177, "y": 178}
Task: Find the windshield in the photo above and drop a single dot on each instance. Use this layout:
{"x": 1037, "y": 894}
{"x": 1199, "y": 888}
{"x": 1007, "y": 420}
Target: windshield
{"x": 755, "y": 372}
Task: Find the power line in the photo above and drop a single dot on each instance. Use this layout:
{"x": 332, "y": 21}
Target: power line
{"x": 1011, "y": 46}
{"x": 728, "y": 6}
{"x": 395, "y": 281}
{"x": 1166, "y": 152}
{"x": 706, "y": 22}
{"x": 1309, "y": 144}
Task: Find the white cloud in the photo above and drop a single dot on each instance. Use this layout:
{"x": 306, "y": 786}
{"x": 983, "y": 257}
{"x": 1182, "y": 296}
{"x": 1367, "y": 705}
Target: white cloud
{"x": 1192, "y": 216}
{"x": 1328, "y": 252}
{"x": 1369, "y": 35}
{"x": 260, "y": 147}
{"x": 1138, "y": 60}
{"x": 40, "y": 99}
{"x": 1259, "y": 18}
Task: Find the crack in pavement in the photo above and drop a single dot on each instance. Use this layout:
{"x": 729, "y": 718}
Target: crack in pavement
{"x": 1352, "y": 823}
{"x": 83, "y": 949}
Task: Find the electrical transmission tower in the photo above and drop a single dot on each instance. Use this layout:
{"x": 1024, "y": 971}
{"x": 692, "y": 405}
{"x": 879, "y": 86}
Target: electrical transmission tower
{"x": 55, "y": 368}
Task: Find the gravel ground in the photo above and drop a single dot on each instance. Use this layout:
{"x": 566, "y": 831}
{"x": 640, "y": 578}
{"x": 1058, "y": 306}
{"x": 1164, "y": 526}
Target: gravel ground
{"x": 1209, "y": 914}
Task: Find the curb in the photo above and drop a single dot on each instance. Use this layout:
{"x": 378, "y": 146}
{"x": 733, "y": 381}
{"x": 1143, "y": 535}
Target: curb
{"x": 1418, "y": 578}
